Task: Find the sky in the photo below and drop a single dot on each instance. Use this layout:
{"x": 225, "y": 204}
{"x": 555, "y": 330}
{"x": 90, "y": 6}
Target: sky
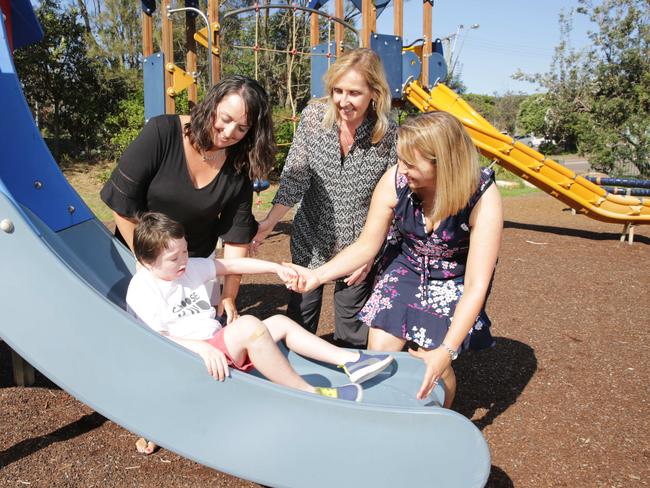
{"x": 512, "y": 35}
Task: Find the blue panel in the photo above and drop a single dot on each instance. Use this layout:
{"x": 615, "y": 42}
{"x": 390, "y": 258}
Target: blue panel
{"x": 436, "y": 47}
{"x": 319, "y": 66}
{"x": 380, "y": 5}
{"x": 25, "y": 28}
{"x": 27, "y": 170}
{"x": 389, "y": 48}
{"x": 194, "y": 4}
{"x": 437, "y": 68}
{"x": 154, "y": 85}
{"x": 411, "y": 66}
{"x": 148, "y": 6}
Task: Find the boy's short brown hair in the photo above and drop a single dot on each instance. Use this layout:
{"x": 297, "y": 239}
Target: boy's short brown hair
{"x": 152, "y": 235}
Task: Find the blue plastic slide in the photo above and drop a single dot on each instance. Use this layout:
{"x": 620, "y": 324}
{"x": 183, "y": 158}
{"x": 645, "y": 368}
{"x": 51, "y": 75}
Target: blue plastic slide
{"x": 62, "y": 300}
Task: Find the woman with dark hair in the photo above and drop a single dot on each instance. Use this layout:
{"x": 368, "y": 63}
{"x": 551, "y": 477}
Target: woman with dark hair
{"x": 198, "y": 169}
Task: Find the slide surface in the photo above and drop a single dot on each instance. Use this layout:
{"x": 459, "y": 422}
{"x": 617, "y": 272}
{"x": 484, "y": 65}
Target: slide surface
{"x": 553, "y": 178}
{"x": 62, "y": 298}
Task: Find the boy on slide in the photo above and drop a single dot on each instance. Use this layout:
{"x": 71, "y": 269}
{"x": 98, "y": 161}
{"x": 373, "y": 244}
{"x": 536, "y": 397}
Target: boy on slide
{"x": 168, "y": 293}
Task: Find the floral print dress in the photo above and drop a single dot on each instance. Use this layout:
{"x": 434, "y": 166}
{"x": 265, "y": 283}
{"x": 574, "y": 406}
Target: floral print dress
{"x": 420, "y": 275}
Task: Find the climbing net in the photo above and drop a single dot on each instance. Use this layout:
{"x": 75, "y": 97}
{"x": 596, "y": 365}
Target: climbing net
{"x": 291, "y": 50}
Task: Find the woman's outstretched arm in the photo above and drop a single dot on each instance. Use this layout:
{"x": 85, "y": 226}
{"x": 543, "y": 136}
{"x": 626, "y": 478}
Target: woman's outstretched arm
{"x": 366, "y": 247}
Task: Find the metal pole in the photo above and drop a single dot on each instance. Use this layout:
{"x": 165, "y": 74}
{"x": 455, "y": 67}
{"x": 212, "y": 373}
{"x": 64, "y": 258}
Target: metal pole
{"x": 171, "y": 11}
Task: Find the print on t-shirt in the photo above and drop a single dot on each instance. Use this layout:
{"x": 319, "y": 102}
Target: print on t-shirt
{"x": 190, "y": 305}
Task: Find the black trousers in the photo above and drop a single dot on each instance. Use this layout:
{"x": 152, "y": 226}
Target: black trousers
{"x": 348, "y": 301}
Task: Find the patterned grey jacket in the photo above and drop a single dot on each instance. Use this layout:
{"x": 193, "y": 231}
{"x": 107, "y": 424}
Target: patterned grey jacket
{"x": 335, "y": 190}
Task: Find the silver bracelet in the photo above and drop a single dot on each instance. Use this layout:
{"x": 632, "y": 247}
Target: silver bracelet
{"x": 453, "y": 353}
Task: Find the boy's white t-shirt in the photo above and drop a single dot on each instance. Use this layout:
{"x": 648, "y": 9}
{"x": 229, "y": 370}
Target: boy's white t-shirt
{"x": 179, "y": 308}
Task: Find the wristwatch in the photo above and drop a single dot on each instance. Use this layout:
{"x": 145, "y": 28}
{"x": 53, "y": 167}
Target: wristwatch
{"x": 453, "y": 353}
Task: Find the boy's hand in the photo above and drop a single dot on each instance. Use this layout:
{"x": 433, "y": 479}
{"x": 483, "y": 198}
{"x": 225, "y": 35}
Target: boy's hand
{"x": 307, "y": 280}
{"x": 288, "y": 275}
{"x": 215, "y": 361}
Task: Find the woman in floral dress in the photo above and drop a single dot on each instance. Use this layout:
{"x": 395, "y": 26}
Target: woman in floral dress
{"x": 434, "y": 272}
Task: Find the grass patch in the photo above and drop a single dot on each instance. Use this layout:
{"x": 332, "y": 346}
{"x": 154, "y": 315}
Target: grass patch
{"x": 518, "y": 191}
{"x": 262, "y": 202}
{"x": 87, "y": 179}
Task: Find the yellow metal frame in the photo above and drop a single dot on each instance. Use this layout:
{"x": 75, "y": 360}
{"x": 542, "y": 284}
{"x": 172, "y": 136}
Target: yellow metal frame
{"x": 181, "y": 79}
{"x": 201, "y": 37}
{"x": 553, "y": 178}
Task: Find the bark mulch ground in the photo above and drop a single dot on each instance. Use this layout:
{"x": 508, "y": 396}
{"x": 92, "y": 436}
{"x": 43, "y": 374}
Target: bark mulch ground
{"x": 562, "y": 399}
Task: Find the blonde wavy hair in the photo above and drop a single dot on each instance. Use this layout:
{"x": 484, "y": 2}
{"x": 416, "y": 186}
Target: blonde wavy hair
{"x": 440, "y": 138}
{"x": 367, "y": 63}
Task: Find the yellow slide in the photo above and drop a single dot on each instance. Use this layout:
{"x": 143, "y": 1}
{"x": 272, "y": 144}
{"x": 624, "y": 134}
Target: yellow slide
{"x": 556, "y": 180}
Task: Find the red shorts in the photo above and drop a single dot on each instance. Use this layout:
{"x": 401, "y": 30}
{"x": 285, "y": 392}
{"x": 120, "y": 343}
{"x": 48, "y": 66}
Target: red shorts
{"x": 217, "y": 341}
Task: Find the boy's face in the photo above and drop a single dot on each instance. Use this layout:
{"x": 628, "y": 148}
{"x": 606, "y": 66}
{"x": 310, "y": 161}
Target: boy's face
{"x": 171, "y": 262}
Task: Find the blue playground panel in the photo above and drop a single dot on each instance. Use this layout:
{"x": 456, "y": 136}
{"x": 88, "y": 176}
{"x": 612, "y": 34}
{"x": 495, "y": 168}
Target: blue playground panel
{"x": 380, "y": 5}
{"x": 389, "y": 49}
{"x": 320, "y": 63}
{"x": 154, "y": 85}
{"x": 411, "y": 66}
{"x": 437, "y": 68}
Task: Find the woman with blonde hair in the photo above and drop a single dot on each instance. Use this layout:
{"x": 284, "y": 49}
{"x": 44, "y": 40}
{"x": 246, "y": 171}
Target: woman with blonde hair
{"x": 343, "y": 145}
{"x": 443, "y": 218}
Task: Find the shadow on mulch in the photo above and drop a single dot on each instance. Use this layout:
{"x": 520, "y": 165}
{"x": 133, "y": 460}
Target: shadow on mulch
{"x": 498, "y": 479}
{"x": 569, "y": 232}
{"x": 29, "y": 446}
{"x": 491, "y": 380}
{"x": 262, "y": 300}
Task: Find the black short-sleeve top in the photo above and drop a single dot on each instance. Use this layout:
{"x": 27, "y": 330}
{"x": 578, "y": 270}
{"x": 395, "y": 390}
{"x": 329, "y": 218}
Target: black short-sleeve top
{"x": 152, "y": 175}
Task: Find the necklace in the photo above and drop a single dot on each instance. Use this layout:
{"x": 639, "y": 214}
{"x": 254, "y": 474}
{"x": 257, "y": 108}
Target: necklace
{"x": 346, "y": 139}
{"x": 210, "y": 157}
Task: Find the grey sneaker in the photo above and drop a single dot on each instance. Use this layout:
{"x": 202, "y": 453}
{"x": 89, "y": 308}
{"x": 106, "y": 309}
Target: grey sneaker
{"x": 366, "y": 367}
{"x": 351, "y": 392}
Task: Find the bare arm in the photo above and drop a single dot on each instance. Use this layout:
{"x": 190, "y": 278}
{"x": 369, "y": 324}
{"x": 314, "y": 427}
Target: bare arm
{"x": 366, "y": 247}
{"x": 268, "y": 224}
{"x": 231, "y": 283}
{"x": 373, "y": 235}
{"x": 215, "y": 361}
{"x": 241, "y": 266}
{"x": 486, "y": 221}
{"x": 126, "y": 226}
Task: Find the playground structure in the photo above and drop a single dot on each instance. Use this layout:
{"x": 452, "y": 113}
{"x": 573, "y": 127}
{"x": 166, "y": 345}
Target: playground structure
{"x": 54, "y": 241}
{"x": 80, "y": 336}
{"x": 415, "y": 74}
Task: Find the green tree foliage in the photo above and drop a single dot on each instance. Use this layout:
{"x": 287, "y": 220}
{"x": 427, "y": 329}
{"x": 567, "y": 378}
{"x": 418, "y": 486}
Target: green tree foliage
{"x": 618, "y": 64}
{"x": 499, "y": 110}
{"x": 63, "y": 85}
{"x": 506, "y": 107}
{"x": 483, "y": 104}
{"x": 116, "y": 33}
{"x": 531, "y": 118}
{"x": 599, "y": 98}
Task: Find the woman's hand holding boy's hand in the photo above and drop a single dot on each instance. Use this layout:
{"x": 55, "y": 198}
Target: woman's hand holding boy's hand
{"x": 215, "y": 361}
{"x": 307, "y": 279}
{"x": 287, "y": 275}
